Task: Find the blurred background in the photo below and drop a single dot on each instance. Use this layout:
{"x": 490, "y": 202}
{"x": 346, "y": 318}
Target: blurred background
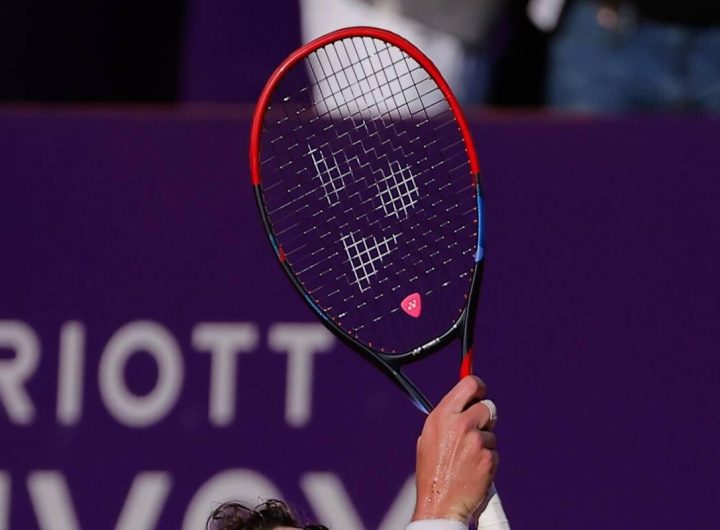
{"x": 605, "y": 56}
{"x": 153, "y": 360}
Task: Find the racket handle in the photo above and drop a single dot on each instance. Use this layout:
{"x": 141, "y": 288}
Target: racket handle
{"x": 466, "y": 364}
{"x": 492, "y": 516}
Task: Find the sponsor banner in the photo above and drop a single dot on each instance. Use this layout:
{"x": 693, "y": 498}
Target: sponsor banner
{"x": 155, "y": 361}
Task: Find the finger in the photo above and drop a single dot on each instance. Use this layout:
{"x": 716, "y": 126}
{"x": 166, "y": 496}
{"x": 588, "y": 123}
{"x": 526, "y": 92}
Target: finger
{"x": 492, "y": 421}
{"x": 477, "y": 415}
{"x": 469, "y": 388}
{"x": 489, "y": 440}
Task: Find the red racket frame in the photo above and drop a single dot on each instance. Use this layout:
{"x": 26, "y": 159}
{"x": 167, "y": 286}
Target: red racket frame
{"x": 389, "y": 364}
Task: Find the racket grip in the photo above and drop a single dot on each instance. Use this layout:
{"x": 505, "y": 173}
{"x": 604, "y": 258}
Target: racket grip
{"x": 492, "y": 516}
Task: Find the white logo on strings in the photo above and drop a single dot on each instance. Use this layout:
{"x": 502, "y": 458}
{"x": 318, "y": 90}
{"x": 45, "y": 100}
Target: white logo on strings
{"x": 398, "y": 191}
{"x": 331, "y": 178}
{"x": 364, "y": 254}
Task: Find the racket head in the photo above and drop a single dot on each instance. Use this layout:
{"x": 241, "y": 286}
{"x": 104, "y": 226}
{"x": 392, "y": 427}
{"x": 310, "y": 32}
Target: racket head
{"x": 368, "y": 185}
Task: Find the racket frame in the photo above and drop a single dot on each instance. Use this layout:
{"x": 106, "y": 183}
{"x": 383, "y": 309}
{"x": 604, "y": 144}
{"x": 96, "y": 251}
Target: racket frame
{"x": 464, "y": 326}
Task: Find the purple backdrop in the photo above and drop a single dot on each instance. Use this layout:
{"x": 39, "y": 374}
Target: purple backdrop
{"x": 232, "y": 47}
{"x": 127, "y": 235}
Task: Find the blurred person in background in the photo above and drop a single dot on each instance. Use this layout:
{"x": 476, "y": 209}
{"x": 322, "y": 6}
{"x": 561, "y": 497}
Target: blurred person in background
{"x": 90, "y": 51}
{"x": 632, "y": 55}
{"x": 454, "y": 34}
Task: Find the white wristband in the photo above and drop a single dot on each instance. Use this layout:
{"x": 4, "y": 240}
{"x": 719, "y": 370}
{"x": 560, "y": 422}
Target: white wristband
{"x": 437, "y": 524}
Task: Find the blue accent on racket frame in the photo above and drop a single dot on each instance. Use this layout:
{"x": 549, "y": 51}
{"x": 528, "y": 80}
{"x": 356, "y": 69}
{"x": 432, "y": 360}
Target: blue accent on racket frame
{"x": 310, "y": 301}
{"x": 480, "y": 253}
{"x": 274, "y": 244}
{"x": 316, "y": 307}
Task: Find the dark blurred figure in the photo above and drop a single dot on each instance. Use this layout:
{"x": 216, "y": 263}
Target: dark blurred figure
{"x": 520, "y": 59}
{"x": 457, "y": 35}
{"x": 636, "y": 56}
{"x": 91, "y": 50}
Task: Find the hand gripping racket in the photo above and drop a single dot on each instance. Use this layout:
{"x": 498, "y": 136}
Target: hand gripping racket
{"x": 368, "y": 185}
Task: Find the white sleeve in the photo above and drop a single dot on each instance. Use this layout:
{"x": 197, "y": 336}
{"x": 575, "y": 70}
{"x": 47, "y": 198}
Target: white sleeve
{"x": 437, "y": 524}
{"x": 492, "y": 516}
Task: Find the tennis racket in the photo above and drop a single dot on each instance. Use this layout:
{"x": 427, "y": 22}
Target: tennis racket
{"x": 368, "y": 186}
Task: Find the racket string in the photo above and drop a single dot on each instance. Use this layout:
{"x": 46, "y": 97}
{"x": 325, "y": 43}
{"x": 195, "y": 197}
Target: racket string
{"x": 377, "y": 184}
{"x": 425, "y": 235}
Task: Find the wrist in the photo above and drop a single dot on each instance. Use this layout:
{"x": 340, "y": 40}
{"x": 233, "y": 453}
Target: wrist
{"x": 437, "y": 524}
{"x": 431, "y": 511}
